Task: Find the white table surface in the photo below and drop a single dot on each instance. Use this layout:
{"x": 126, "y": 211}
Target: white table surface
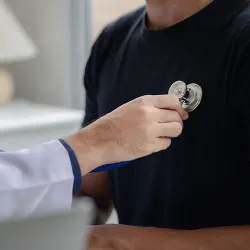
{"x": 24, "y": 124}
{"x": 21, "y": 114}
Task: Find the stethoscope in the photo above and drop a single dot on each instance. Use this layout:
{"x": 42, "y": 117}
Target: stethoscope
{"x": 190, "y": 96}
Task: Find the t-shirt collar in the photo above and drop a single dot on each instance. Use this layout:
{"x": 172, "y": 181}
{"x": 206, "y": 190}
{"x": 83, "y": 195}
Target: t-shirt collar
{"x": 210, "y": 19}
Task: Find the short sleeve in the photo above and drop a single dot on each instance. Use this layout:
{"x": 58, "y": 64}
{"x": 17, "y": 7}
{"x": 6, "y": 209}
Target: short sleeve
{"x": 91, "y": 106}
{"x": 241, "y": 98}
{"x": 241, "y": 80}
{"x": 92, "y": 73}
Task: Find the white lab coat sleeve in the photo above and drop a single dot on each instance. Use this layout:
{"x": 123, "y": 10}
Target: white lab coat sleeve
{"x": 38, "y": 180}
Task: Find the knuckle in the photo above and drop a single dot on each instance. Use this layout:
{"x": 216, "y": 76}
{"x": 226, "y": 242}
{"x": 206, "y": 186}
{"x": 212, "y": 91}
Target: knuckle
{"x": 142, "y": 100}
{"x": 144, "y": 113}
{"x": 177, "y": 129}
{"x": 175, "y": 116}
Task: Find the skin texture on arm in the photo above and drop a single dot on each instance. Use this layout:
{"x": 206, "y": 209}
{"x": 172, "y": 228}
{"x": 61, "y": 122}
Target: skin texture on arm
{"x": 116, "y": 137}
{"x": 120, "y": 237}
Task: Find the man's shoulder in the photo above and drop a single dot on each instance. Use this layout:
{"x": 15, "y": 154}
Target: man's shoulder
{"x": 124, "y": 22}
{"x": 240, "y": 28}
{"x": 117, "y": 30}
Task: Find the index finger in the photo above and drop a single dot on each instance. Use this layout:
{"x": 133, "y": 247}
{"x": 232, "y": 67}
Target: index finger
{"x": 169, "y": 102}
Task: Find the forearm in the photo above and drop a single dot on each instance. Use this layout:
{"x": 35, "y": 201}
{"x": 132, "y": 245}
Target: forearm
{"x": 96, "y": 186}
{"x": 224, "y": 238}
{"x": 121, "y": 237}
{"x": 104, "y": 207}
{"x": 103, "y": 215}
{"x": 88, "y": 156}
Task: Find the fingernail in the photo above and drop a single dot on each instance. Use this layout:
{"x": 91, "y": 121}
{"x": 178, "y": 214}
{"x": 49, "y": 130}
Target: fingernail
{"x": 186, "y": 115}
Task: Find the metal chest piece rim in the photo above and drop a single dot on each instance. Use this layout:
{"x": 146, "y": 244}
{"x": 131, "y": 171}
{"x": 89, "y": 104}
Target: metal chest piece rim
{"x": 190, "y": 95}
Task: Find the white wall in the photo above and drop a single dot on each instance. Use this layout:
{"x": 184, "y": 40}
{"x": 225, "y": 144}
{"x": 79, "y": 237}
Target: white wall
{"x": 51, "y": 77}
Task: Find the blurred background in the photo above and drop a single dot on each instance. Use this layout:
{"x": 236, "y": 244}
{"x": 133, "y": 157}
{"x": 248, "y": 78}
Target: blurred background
{"x": 44, "y": 46}
{"x": 63, "y": 31}
{"x": 46, "y": 87}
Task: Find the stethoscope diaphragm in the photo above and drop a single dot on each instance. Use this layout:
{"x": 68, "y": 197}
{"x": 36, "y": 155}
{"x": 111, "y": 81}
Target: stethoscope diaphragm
{"x": 190, "y": 95}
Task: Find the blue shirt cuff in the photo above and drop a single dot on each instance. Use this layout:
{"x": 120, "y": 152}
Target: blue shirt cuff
{"x": 109, "y": 167}
{"x": 75, "y": 167}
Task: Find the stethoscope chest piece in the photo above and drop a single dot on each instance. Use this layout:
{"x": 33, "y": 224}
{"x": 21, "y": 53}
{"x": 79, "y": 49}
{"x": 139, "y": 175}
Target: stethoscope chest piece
{"x": 190, "y": 95}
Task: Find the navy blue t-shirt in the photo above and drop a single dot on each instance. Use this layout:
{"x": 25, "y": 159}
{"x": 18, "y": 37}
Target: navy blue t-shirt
{"x": 203, "y": 179}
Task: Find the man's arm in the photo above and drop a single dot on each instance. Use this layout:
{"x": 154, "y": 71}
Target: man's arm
{"x": 119, "y": 237}
{"x": 96, "y": 186}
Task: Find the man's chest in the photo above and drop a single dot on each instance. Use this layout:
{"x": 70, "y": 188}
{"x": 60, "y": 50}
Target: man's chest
{"x": 204, "y": 160}
{"x": 131, "y": 72}
{"x": 209, "y": 132}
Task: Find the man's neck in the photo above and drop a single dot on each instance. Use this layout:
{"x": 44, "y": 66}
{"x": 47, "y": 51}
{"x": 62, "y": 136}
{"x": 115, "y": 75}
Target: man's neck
{"x": 165, "y": 13}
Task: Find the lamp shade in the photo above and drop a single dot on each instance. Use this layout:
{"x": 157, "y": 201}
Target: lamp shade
{"x": 15, "y": 44}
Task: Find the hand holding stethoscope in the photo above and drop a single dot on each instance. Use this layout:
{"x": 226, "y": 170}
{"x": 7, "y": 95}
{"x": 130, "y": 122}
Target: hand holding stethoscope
{"x": 190, "y": 97}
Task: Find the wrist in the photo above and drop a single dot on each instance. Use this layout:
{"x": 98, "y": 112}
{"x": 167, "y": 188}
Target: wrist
{"x": 91, "y": 148}
{"x": 87, "y": 156}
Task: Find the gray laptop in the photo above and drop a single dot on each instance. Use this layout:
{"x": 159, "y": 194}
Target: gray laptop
{"x": 62, "y": 231}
